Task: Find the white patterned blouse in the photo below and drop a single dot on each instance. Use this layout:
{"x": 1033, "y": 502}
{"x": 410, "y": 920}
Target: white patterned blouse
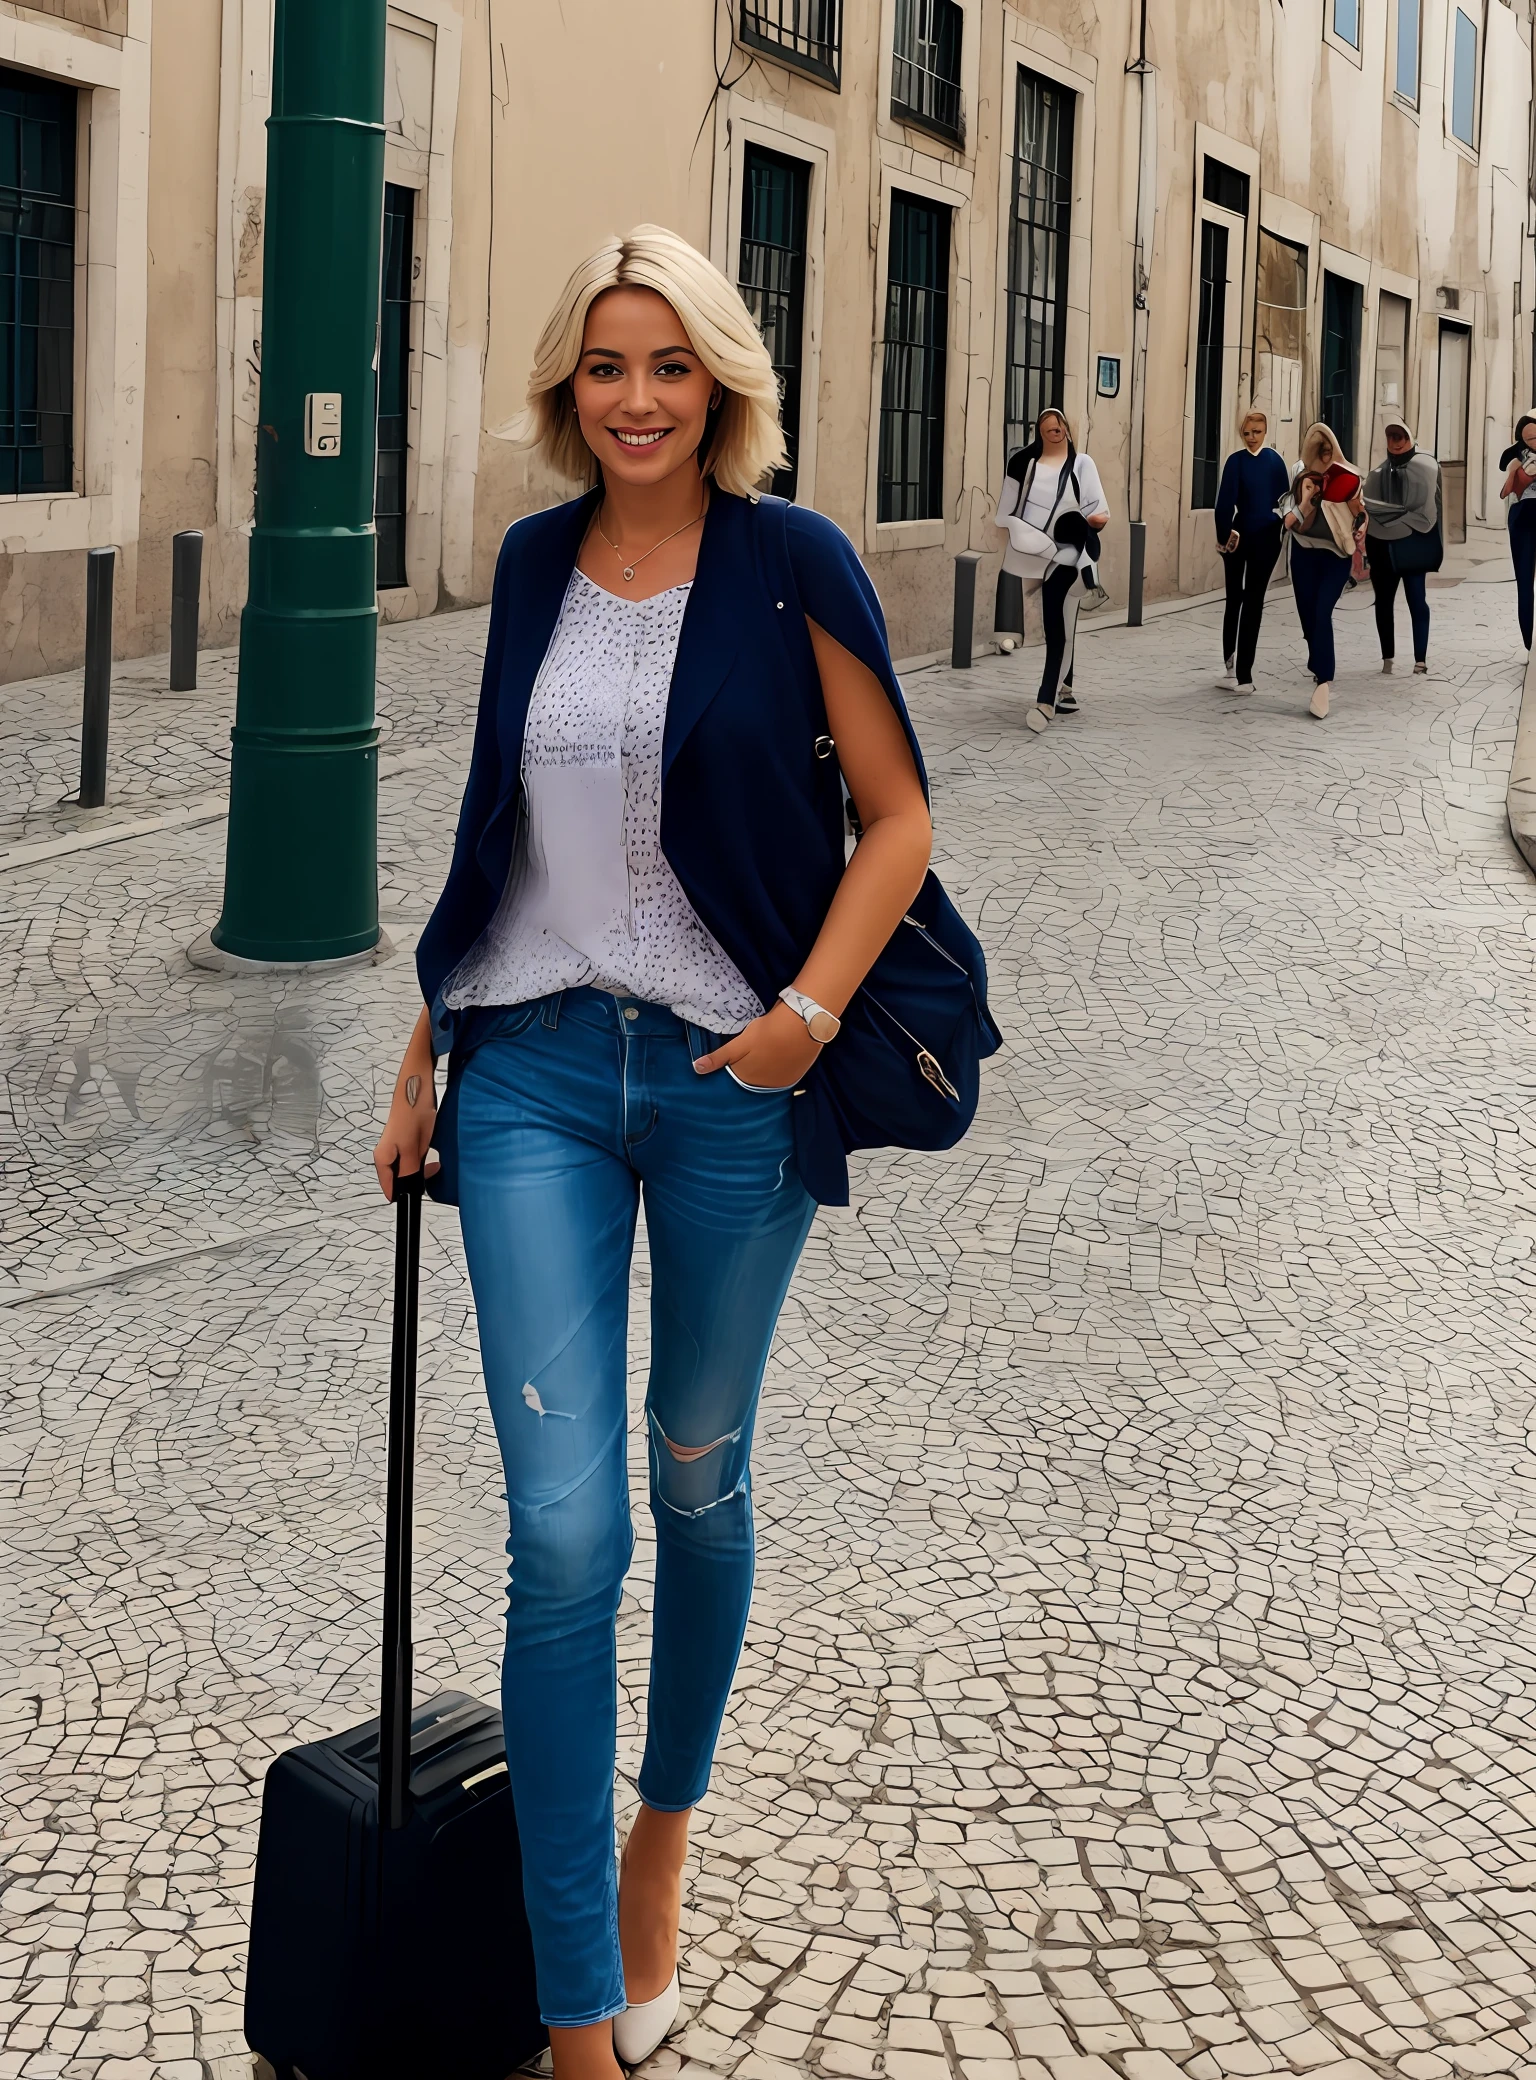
{"x": 591, "y": 898}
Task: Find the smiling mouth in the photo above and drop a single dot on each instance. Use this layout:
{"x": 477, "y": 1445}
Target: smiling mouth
{"x": 649, "y": 439}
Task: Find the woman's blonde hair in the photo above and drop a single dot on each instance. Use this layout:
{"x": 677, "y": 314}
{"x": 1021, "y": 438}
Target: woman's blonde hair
{"x": 745, "y": 442}
{"x": 1254, "y": 411}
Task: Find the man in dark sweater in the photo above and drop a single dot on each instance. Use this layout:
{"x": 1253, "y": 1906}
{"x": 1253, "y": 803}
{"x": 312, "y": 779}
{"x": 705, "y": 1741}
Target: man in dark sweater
{"x": 1248, "y": 534}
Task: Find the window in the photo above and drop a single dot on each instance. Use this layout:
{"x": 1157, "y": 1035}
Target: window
{"x": 1210, "y": 346}
{"x": 771, "y": 277}
{"x": 1346, "y": 21}
{"x": 1342, "y": 300}
{"x": 1039, "y": 225}
{"x": 912, "y": 379}
{"x": 1226, "y": 187}
{"x": 1464, "y": 80}
{"x": 394, "y": 385}
{"x": 925, "y": 69}
{"x": 1405, "y": 80}
{"x": 805, "y": 33}
{"x": 37, "y": 284}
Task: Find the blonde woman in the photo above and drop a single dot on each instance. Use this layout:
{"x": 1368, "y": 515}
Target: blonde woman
{"x": 646, "y": 967}
{"x": 1326, "y": 514}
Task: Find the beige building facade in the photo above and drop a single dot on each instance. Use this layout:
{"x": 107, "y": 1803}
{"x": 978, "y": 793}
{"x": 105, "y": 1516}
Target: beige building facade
{"x": 945, "y": 212}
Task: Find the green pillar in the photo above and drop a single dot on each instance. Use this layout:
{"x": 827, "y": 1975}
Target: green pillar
{"x": 300, "y": 875}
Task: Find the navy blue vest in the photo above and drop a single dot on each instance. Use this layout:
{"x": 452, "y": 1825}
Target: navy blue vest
{"x": 751, "y": 817}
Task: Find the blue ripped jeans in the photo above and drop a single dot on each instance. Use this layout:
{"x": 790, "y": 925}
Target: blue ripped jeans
{"x": 571, "y": 1109}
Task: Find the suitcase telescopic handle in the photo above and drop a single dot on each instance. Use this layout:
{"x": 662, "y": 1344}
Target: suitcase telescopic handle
{"x": 395, "y": 1686}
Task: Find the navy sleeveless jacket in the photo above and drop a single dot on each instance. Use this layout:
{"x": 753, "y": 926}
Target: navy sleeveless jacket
{"x": 751, "y": 817}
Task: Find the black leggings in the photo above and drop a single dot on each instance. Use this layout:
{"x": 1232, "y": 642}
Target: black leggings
{"x": 1522, "y": 551}
{"x": 1384, "y": 583}
{"x": 1057, "y": 606}
{"x": 1247, "y": 570}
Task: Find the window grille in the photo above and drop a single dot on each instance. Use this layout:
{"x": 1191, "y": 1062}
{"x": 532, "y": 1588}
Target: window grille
{"x": 394, "y": 385}
{"x": 37, "y": 284}
{"x": 1039, "y": 227}
{"x": 806, "y": 33}
{"x": 925, "y": 66}
{"x": 911, "y": 475}
{"x": 771, "y": 277}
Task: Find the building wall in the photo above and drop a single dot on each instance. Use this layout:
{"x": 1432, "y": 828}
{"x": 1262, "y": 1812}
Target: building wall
{"x": 529, "y": 133}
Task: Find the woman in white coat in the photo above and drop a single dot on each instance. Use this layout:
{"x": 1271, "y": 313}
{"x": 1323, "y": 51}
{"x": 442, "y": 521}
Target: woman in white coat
{"x": 1052, "y": 510}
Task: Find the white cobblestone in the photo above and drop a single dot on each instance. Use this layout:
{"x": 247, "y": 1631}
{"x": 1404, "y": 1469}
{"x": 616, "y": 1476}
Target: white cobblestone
{"x": 1140, "y": 1676}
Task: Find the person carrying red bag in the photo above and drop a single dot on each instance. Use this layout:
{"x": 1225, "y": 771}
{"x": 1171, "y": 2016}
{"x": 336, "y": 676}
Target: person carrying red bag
{"x": 1325, "y": 517}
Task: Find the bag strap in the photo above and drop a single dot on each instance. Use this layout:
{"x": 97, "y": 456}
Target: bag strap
{"x": 395, "y": 1684}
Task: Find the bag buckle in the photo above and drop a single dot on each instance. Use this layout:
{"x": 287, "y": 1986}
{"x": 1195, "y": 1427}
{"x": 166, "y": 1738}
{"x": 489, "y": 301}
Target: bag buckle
{"x": 824, "y": 746}
{"x": 935, "y": 1075}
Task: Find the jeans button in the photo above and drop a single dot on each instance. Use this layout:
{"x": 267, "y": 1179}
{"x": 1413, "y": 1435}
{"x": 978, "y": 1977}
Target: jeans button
{"x": 630, "y": 1011}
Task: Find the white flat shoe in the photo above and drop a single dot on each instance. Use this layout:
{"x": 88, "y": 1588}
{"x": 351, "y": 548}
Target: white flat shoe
{"x": 643, "y": 2025}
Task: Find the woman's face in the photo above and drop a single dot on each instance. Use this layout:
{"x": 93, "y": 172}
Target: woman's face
{"x": 1253, "y": 432}
{"x": 1324, "y": 453}
{"x": 642, "y": 394}
{"x": 1525, "y": 433}
{"x": 1053, "y": 434}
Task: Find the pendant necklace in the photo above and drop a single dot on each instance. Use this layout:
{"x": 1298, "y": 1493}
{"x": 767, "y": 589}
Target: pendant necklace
{"x": 629, "y": 569}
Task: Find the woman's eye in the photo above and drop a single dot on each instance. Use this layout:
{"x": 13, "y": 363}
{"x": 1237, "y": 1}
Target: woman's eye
{"x": 673, "y": 368}
{"x": 604, "y": 368}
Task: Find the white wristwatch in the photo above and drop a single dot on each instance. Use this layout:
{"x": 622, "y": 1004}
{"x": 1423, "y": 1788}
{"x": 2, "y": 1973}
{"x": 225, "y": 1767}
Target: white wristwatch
{"x": 821, "y": 1024}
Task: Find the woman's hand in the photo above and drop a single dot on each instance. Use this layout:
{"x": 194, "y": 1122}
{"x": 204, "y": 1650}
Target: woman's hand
{"x": 773, "y": 1052}
{"x": 1231, "y": 542}
{"x": 407, "y": 1132}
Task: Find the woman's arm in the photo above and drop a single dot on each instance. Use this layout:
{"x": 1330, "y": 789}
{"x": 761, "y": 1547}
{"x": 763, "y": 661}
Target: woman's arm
{"x": 407, "y": 1132}
{"x": 881, "y": 879}
{"x": 1226, "y": 503}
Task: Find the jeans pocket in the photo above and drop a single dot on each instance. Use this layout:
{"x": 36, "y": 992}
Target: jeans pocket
{"x": 759, "y": 1090}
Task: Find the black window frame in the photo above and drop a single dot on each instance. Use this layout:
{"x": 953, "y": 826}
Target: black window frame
{"x": 392, "y": 457}
{"x": 925, "y": 67}
{"x": 1210, "y": 350}
{"x": 774, "y": 27}
{"x": 1039, "y": 250}
{"x": 39, "y": 149}
{"x": 914, "y": 351}
{"x": 771, "y": 275}
{"x": 1225, "y": 186}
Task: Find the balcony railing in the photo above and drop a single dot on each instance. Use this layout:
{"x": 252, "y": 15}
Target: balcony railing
{"x": 804, "y": 33}
{"x": 925, "y": 67}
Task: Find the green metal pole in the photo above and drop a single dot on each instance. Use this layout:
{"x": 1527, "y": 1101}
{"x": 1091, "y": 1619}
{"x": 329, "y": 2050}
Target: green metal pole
{"x": 300, "y": 875}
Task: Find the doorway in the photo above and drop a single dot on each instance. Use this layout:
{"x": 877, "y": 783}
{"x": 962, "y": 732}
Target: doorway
{"x": 1342, "y": 300}
{"x": 1391, "y": 367}
{"x": 1451, "y": 397}
{"x": 1280, "y": 334}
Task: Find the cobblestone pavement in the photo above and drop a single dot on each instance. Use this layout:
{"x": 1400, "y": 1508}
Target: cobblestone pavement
{"x": 1140, "y": 1675}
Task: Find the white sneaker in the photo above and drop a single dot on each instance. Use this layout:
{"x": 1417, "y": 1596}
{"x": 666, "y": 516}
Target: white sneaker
{"x": 1007, "y": 644}
{"x": 1094, "y": 598}
{"x": 1245, "y": 686}
{"x": 1422, "y": 665}
{"x": 1386, "y": 668}
{"x": 1228, "y": 681}
{"x": 643, "y": 2025}
{"x": 1318, "y": 705}
{"x": 1038, "y": 718}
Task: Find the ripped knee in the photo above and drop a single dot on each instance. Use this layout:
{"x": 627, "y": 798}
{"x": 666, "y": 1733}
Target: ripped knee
{"x": 692, "y": 1478}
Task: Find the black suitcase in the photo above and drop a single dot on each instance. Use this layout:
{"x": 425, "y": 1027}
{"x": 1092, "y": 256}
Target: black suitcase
{"x": 388, "y": 1937}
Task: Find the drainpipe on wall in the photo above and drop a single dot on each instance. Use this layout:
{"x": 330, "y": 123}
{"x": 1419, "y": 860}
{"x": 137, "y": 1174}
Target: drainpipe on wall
{"x": 1146, "y": 217}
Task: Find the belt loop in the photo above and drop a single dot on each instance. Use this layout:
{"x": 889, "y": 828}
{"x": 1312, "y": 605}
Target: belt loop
{"x": 550, "y": 1015}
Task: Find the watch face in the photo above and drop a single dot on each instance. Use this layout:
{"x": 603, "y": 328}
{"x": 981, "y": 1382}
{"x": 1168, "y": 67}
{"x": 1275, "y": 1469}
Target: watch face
{"x": 822, "y": 1026}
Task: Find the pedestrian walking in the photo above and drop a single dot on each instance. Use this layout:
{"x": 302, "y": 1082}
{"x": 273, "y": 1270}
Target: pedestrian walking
{"x": 1519, "y": 494}
{"x": 1403, "y": 539}
{"x": 1248, "y": 534}
{"x": 1052, "y": 510}
{"x": 646, "y": 967}
{"x": 1325, "y": 515}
